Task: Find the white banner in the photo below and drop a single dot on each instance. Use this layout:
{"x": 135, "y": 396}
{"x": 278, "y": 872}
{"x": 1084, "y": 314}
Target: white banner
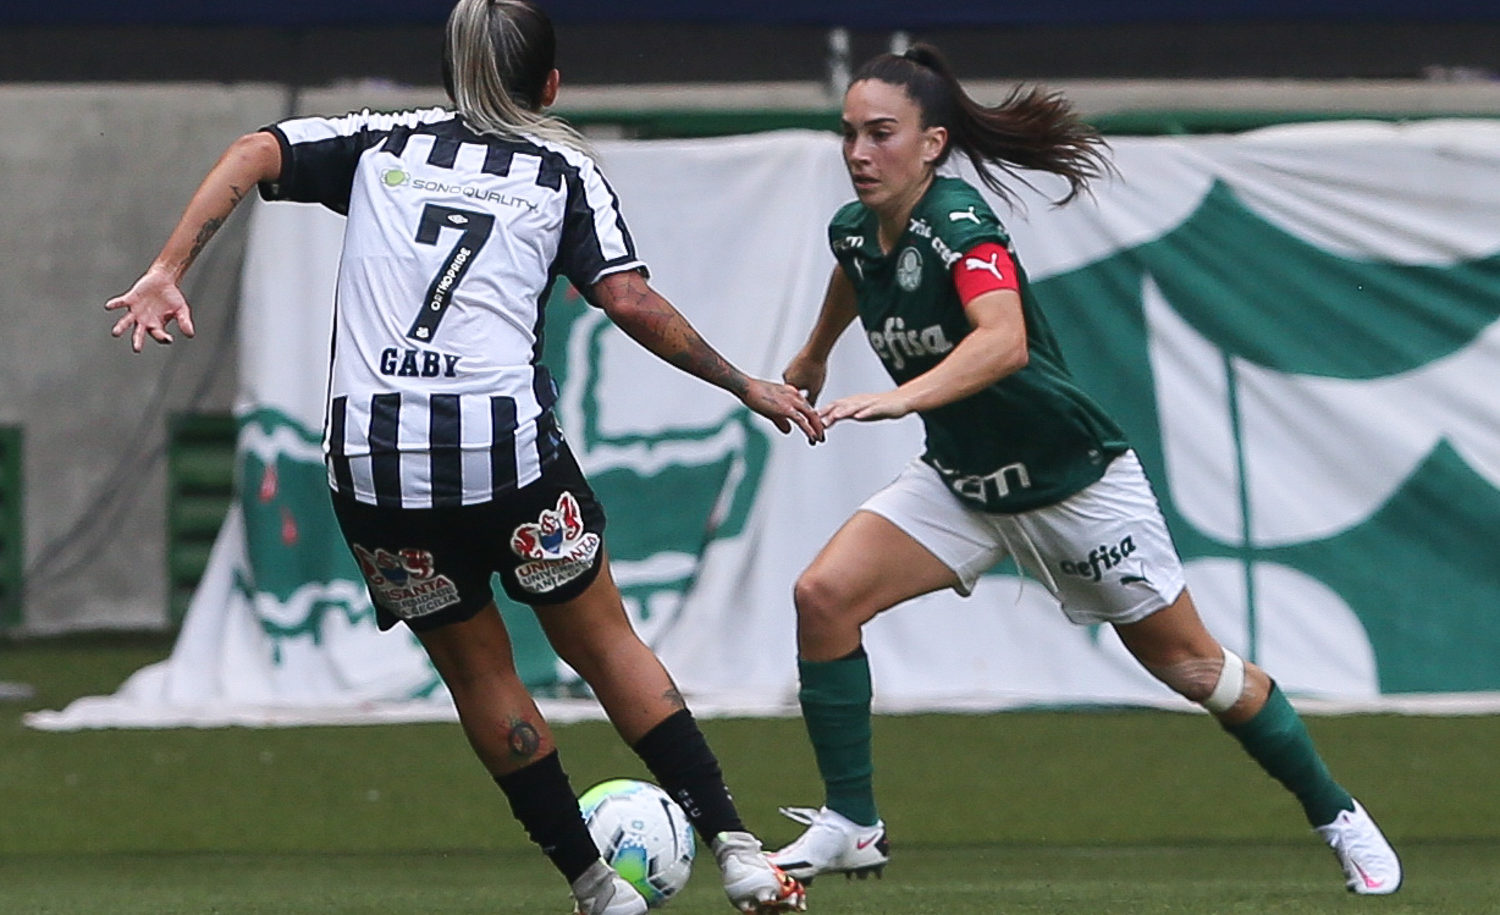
{"x": 1300, "y": 329}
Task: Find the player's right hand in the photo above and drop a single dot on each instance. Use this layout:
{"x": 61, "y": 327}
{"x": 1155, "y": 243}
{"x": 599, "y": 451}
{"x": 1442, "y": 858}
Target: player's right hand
{"x": 154, "y": 302}
{"x": 784, "y": 406}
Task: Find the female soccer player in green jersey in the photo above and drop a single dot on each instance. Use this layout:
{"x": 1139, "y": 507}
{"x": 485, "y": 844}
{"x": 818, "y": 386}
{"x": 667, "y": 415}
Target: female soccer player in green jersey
{"x": 1019, "y": 461}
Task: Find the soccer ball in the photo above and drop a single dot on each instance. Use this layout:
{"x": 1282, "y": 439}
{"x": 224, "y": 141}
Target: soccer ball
{"x": 642, "y": 834}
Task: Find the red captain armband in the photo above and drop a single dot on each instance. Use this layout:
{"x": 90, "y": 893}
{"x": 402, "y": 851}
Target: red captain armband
{"x": 985, "y": 268}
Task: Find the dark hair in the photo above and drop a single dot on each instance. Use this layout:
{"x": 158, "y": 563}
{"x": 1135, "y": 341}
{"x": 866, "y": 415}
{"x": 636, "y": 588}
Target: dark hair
{"x": 497, "y": 55}
{"x": 1033, "y": 128}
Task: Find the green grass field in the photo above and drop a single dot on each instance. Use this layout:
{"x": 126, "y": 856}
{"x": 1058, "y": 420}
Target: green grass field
{"x": 1036, "y": 812}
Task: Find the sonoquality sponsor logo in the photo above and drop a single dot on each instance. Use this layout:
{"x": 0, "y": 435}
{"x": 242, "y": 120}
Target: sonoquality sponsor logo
{"x": 395, "y": 178}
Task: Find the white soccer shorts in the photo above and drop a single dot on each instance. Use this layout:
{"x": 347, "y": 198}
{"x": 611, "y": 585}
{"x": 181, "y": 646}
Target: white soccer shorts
{"x": 1104, "y": 553}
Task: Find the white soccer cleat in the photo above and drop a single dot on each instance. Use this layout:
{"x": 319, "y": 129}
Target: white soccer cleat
{"x": 832, "y": 844}
{"x": 1371, "y": 867}
{"x": 601, "y": 891}
{"x": 753, "y": 884}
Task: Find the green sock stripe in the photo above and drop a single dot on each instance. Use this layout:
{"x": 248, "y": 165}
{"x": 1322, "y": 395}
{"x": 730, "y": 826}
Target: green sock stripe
{"x": 835, "y": 698}
{"x": 1278, "y": 740}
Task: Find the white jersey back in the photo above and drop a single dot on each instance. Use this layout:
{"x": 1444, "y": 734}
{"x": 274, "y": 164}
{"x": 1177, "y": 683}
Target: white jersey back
{"x": 451, "y": 248}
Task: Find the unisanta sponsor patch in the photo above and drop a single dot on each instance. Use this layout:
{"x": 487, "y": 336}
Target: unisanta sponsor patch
{"x": 559, "y": 547}
{"x": 405, "y": 583}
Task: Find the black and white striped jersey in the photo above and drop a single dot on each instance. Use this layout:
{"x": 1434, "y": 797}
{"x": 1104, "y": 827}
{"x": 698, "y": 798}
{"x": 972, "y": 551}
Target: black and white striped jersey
{"x": 452, "y": 245}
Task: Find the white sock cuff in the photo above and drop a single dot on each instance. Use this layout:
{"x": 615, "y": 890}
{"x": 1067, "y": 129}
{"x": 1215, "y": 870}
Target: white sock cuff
{"x": 1230, "y": 687}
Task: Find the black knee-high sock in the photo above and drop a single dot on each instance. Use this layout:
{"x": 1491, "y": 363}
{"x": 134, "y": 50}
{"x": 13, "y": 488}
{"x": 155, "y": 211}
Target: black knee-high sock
{"x": 542, "y": 799}
{"x": 679, "y": 757}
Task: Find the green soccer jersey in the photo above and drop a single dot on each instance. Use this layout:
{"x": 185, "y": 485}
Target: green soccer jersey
{"x": 1030, "y": 439}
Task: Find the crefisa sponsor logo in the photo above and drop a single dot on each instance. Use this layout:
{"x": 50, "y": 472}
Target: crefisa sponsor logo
{"x": 895, "y": 343}
{"x": 1100, "y": 559}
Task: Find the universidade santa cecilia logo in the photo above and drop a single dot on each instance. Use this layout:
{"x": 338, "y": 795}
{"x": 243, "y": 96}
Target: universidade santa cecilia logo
{"x": 558, "y": 545}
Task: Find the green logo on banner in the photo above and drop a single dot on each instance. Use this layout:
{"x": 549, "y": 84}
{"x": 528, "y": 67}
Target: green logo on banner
{"x": 1315, "y": 425}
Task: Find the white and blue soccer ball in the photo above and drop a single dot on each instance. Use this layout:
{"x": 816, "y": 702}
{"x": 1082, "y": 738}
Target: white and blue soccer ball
{"x": 643, "y": 834}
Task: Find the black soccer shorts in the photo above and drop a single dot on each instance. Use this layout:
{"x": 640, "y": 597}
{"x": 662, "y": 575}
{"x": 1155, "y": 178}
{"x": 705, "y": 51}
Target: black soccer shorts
{"x": 428, "y": 567}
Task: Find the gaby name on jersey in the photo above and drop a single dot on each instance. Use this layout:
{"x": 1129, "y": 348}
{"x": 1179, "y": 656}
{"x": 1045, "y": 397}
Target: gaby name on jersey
{"x": 417, "y": 363}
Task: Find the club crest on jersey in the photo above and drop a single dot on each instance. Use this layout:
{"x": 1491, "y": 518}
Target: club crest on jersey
{"x": 559, "y": 547}
{"x": 909, "y": 270}
{"x": 405, "y": 582}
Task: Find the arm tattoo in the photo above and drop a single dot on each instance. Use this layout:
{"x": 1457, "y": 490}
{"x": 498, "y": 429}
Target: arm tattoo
{"x": 524, "y": 738}
{"x": 205, "y": 232}
{"x": 674, "y": 698}
{"x": 212, "y": 225}
{"x": 651, "y": 321}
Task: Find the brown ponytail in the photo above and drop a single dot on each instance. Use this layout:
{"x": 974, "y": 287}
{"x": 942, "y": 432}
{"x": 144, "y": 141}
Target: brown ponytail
{"x": 1033, "y": 128}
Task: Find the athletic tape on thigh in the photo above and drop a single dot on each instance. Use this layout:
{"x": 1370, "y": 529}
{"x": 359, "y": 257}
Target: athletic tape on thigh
{"x": 1231, "y": 684}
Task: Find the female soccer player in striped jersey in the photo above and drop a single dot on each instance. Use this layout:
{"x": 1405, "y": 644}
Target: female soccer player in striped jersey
{"x": 1019, "y": 462}
{"x": 444, "y": 459}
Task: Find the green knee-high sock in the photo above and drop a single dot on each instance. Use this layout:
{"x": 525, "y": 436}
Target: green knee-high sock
{"x": 835, "y": 697}
{"x": 1278, "y": 740}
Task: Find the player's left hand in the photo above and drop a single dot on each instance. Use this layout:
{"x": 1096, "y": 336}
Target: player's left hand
{"x": 784, "y": 406}
{"x": 865, "y": 407}
{"x": 152, "y": 303}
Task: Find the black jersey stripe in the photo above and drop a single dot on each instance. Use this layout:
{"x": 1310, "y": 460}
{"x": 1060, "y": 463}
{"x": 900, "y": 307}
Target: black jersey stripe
{"x": 445, "y": 431}
{"x": 385, "y": 460}
{"x": 543, "y": 388}
{"x": 338, "y": 425}
{"x": 581, "y": 245}
{"x": 503, "y": 475}
{"x": 395, "y": 144}
{"x": 328, "y": 181}
{"x": 624, "y": 230}
{"x": 547, "y": 438}
{"x": 554, "y": 170}
{"x": 498, "y": 160}
{"x": 444, "y": 152}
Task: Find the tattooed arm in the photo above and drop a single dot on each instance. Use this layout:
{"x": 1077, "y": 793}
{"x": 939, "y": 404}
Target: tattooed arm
{"x": 156, "y": 299}
{"x": 650, "y": 320}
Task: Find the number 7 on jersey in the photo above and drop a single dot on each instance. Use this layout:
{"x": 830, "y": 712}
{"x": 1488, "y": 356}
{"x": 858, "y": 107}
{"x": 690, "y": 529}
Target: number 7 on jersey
{"x": 475, "y": 228}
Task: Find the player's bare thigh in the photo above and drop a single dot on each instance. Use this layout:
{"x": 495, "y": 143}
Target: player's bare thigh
{"x": 868, "y": 566}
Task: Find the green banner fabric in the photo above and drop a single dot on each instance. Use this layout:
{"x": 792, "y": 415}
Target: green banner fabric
{"x": 1299, "y": 328}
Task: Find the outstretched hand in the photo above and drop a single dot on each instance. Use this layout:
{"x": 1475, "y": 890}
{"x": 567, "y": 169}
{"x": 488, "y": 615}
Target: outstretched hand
{"x": 784, "y": 406}
{"x": 150, "y": 306}
{"x": 866, "y": 407}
